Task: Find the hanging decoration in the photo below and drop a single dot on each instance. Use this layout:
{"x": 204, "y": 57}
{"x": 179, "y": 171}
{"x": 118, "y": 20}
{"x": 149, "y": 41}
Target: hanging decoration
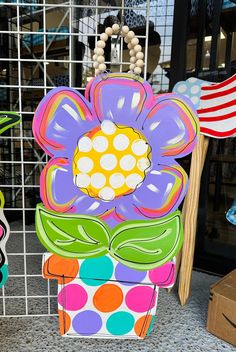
{"x": 7, "y": 120}
{"x": 110, "y": 194}
{"x": 216, "y": 105}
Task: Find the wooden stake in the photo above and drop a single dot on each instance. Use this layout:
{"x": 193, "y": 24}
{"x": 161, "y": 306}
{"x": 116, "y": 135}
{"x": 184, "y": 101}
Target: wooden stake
{"x": 190, "y": 217}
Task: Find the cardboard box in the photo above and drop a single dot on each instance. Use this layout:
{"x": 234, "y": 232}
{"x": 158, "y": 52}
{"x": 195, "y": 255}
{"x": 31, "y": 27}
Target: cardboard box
{"x": 221, "y": 319}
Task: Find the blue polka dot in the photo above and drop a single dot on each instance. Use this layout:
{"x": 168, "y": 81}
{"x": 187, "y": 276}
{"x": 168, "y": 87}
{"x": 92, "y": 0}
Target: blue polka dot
{"x": 96, "y": 271}
{"x": 120, "y": 323}
{"x": 151, "y": 325}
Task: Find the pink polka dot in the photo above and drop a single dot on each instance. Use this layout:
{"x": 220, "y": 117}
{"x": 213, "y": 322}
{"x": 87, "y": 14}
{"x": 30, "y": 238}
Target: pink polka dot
{"x": 141, "y": 299}
{"x": 72, "y": 297}
{"x": 163, "y": 276}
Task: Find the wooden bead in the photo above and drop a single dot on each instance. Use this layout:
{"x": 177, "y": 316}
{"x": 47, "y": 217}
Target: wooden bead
{"x": 100, "y": 51}
{"x": 132, "y": 59}
{"x": 132, "y": 66}
{"x": 139, "y": 63}
{"x": 100, "y": 59}
{"x": 95, "y": 57}
{"x": 137, "y": 70}
{"x": 95, "y": 50}
{"x": 104, "y": 37}
{"x": 130, "y": 34}
{"x": 115, "y": 28}
{"x": 130, "y": 46}
{"x": 126, "y": 40}
{"x": 101, "y": 44}
{"x": 124, "y": 30}
{"x": 95, "y": 64}
{"x": 132, "y": 53}
{"x": 102, "y": 67}
{"x": 97, "y": 71}
{"x": 137, "y": 48}
{"x": 109, "y": 31}
{"x": 134, "y": 41}
{"x": 140, "y": 55}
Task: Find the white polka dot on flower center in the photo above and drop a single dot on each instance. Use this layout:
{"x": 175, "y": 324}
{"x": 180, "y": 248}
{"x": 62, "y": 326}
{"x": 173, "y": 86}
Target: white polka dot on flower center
{"x": 108, "y": 127}
{"x": 98, "y": 180}
{"x": 133, "y": 180}
{"x": 121, "y": 142}
{"x": 143, "y": 164}
{"x": 108, "y": 161}
{"x": 127, "y": 162}
{"x": 100, "y": 144}
{"x": 117, "y": 180}
{"x": 85, "y": 144}
{"x": 82, "y": 180}
{"x": 139, "y": 147}
{"x": 85, "y": 164}
{"x": 107, "y": 193}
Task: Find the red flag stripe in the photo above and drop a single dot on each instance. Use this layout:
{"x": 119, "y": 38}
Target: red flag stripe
{"x": 218, "y": 134}
{"x": 220, "y": 85}
{"x": 218, "y": 94}
{"x": 217, "y": 118}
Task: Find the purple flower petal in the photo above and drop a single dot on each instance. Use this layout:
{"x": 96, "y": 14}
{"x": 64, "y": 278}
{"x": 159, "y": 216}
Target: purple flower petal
{"x": 171, "y": 126}
{"x": 161, "y": 192}
{"x": 121, "y": 98}
{"x": 60, "y": 119}
{"x": 59, "y": 193}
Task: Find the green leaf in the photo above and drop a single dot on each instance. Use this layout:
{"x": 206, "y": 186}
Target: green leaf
{"x": 69, "y": 235}
{"x": 7, "y": 120}
{"x": 147, "y": 244}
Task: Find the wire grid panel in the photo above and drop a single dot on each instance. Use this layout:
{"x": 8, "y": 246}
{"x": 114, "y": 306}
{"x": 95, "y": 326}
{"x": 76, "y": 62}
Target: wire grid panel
{"x": 46, "y": 44}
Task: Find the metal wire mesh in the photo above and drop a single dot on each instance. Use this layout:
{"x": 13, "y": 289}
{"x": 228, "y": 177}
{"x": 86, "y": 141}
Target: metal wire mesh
{"x": 44, "y": 44}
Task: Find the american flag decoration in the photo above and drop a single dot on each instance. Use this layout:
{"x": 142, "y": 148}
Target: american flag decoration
{"x": 215, "y": 104}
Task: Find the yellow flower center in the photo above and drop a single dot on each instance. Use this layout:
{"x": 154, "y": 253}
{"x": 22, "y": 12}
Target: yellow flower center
{"x": 110, "y": 161}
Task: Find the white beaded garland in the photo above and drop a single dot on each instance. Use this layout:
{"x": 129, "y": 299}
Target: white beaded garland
{"x": 101, "y": 44}
{"x": 100, "y": 59}
{"x": 136, "y": 54}
{"x": 140, "y": 55}
{"x": 133, "y": 59}
{"x": 130, "y": 34}
{"x": 137, "y": 70}
{"x": 109, "y": 31}
{"x": 134, "y": 41}
{"x": 104, "y": 37}
{"x": 137, "y": 48}
{"x": 102, "y": 67}
{"x": 115, "y": 28}
{"x": 124, "y": 30}
{"x": 139, "y": 63}
{"x": 100, "y": 51}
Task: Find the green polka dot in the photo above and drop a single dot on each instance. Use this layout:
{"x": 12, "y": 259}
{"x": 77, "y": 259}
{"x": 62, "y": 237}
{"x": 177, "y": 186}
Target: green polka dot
{"x": 96, "y": 271}
{"x": 120, "y": 323}
{"x": 4, "y": 272}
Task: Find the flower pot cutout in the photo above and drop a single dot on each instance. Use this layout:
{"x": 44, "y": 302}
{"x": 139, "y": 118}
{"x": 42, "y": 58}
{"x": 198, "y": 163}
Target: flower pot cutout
{"x": 111, "y": 190}
{"x": 7, "y": 120}
{"x": 100, "y": 297}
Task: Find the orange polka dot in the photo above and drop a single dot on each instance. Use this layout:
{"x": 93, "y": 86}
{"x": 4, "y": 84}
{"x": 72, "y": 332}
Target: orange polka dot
{"x": 142, "y": 325}
{"x": 108, "y": 298}
{"x": 62, "y": 269}
{"x": 64, "y": 321}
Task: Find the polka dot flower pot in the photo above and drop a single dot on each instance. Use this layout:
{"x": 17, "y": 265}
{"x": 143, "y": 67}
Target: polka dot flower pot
{"x": 102, "y": 298}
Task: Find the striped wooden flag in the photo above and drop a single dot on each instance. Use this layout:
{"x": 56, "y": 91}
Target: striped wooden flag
{"x": 217, "y": 110}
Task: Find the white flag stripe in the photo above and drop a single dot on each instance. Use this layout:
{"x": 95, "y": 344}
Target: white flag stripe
{"x": 216, "y": 101}
{"x": 216, "y": 90}
{"x": 220, "y": 126}
{"x": 220, "y": 112}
